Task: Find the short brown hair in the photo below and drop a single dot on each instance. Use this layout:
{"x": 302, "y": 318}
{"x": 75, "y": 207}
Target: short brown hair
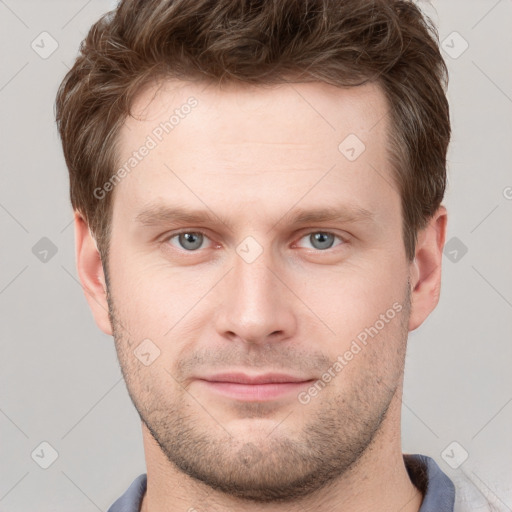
{"x": 340, "y": 42}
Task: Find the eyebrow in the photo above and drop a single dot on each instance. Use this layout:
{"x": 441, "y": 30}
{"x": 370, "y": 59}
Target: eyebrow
{"x": 158, "y": 214}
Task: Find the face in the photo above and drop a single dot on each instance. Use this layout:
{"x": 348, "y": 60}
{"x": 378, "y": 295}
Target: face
{"x": 258, "y": 285}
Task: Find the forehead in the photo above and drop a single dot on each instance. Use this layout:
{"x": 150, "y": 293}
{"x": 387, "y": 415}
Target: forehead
{"x": 301, "y": 107}
{"x": 276, "y": 141}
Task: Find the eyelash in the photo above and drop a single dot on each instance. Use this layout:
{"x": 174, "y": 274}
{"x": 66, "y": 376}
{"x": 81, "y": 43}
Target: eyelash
{"x": 169, "y": 237}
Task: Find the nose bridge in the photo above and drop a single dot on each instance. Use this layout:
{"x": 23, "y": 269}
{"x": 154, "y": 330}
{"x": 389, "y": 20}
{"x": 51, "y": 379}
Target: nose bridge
{"x": 254, "y": 279}
{"x": 256, "y": 303}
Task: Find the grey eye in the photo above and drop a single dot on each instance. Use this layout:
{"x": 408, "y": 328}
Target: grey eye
{"x": 190, "y": 241}
{"x": 321, "y": 240}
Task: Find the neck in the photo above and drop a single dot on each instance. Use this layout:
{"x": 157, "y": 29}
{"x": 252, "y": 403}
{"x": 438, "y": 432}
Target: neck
{"x": 378, "y": 481}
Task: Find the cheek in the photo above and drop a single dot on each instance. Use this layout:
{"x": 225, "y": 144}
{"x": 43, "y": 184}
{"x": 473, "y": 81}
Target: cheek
{"x": 162, "y": 309}
{"x": 154, "y": 296}
{"x": 352, "y": 297}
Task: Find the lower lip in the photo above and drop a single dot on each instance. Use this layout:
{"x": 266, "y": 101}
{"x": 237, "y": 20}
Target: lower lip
{"x": 255, "y": 392}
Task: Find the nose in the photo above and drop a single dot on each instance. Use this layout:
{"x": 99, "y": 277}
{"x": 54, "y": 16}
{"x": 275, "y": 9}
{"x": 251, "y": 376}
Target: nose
{"x": 256, "y": 305}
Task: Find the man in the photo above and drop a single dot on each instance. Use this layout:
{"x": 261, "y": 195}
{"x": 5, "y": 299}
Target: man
{"x": 257, "y": 190}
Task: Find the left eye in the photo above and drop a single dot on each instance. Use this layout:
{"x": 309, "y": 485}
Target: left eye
{"x": 321, "y": 240}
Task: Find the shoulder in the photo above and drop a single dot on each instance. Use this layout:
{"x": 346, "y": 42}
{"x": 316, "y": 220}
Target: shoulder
{"x": 473, "y": 496}
{"x": 459, "y": 492}
{"x": 437, "y": 489}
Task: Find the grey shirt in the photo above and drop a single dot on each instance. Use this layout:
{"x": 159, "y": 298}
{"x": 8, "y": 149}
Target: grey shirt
{"x": 438, "y": 490}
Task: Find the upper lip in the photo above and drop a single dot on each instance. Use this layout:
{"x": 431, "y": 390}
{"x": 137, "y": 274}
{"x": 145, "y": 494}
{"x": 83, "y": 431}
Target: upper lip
{"x": 242, "y": 378}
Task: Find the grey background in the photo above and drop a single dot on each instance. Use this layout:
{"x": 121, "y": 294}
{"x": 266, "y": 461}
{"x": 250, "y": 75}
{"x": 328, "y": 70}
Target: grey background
{"x": 60, "y": 380}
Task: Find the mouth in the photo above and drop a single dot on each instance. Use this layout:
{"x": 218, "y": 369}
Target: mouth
{"x": 257, "y": 388}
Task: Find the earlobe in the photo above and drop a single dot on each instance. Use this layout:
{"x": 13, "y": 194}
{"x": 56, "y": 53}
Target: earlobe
{"x": 425, "y": 271}
{"x": 90, "y": 273}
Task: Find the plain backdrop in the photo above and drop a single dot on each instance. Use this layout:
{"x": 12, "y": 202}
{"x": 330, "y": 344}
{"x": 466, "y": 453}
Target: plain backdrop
{"x": 62, "y": 398}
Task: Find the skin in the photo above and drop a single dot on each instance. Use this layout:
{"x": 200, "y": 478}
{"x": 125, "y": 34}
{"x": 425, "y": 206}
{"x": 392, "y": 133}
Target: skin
{"x": 252, "y": 156}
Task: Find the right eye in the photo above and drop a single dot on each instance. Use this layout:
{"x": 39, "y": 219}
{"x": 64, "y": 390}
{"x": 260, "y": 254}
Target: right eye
{"x": 188, "y": 240}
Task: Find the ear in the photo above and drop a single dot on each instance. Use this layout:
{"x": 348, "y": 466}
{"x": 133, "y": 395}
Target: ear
{"x": 425, "y": 273}
{"x": 90, "y": 272}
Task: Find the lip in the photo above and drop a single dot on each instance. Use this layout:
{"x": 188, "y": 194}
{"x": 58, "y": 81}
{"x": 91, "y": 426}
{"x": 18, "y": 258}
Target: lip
{"x": 256, "y": 388}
